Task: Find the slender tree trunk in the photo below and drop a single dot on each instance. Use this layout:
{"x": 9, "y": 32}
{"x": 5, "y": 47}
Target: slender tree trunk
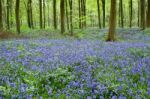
{"x": 84, "y": 12}
{"x": 41, "y": 15}
{"x": 148, "y": 15}
{"x": 11, "y": 13}
{"x": 31, "y": 14}
{"x": 122, "y": 16}
{"x": 62, "y": 15}
{"x": 99, "y": 16}
{"x": 103, "y": 7}
{"x": 28, "y": 14}
{"x": 71, "y": 24}
{"x": 112, "y": 22}
{"x": 48, "y": 17}
{"x": 138, "y": 13}
{"x": 67, "y": 17}
{"x": 79, "y": 3}
{"x": 44, "y": 14}
{"x": 142, "y": 14}
{"x": 54, "y": 14}
{"x": 8, "y": 11}
{"x": 1, "y": 22}
{"x": 130, "y": 12}
{"x": 17, "y": 16}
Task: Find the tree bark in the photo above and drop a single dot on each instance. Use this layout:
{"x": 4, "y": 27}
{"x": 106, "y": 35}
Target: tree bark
{"x": 112, "y": 22}
{"x": 17, "y": 16}
{"x": 1, "y": 20}
{"x": 44, "y": 14}
{"x": 71, "y": 24}
{"x": 130, "y": 12}
{"x": 54, "y": 14}
{"x": 103, "y": 7}
{"x": 41, "y": 15}
{"x": 121, "y": 12}
{"x": 8, "y": 13}
{"x": 142, "y": 14}
{"x": 62, "y": 15}
{"x": 67, "y": 16}
{"x": 138, "y": 13}
{"x": 148, "y": 15}
{"x": 99, "y": 16}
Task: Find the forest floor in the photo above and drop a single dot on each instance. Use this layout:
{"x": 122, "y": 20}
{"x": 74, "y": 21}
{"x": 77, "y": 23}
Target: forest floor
{"x": 83, "y": 66}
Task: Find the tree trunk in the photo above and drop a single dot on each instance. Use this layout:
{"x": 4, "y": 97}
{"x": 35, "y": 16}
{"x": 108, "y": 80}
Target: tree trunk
{"x": 8, "y": 11}
{"x": 138, "y": 13}
{"x": 142, "y": 14}
{"x": 67, "y": 17}
{"x": 1, "y": 22}
{"x": 84, "y": 12}
{"x": 99, "y": 16}
{"x": 17, "y": 16}
{"x": 30, "y": 16}
{"x": 79, "y": 4}
{"x": 54, "y": 14}
{"x": 62, "y": 15}
{"x": 130, "y": 12}
{"x": 148, "y": 15}
{"x": 41, "y": 15}
{"x": 112, "y": 22}
{"x": 44, "y": 15}
{"x": 103, "y": 5}
{"x": 71, "y": 24}
{"x": 121, "y": 13}
{"x": 11, "y": 13}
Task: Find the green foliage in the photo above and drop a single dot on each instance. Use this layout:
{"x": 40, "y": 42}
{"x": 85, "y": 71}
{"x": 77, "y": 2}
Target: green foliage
{"x": 39, "y": 83}
{"x": 138, "y": 52}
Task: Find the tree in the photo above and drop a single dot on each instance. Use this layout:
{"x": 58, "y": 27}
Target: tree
{"x": 103, "y": 7}
{"x": 121, "y": 13}
{"x": 1, "y": 22}
{"x": 79, "y": 4}
{"x": 54, "y": 14}
{"x": 29, "y": 13}
{"x": 148, "y": 15}
{"x": 71, "y": 24}
{"x": 112, "y": 22}
{"x": 44, "y": 14}
{"x": 8, "y": 13}
{"x": 99, "y": 16}
{"x": 17, "y": 16}
{"x": 138, "y": 13}
{"x": 130, "y": 12}
{"x": 83, "y": 12}
{"x": 62, "y": 15}
{"x": 41, "y": 15}
{"x": 142, "y": 14}
{"x": 67, "y": 16}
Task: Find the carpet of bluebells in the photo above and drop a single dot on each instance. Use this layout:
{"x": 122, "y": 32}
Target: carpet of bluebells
{"x": 76, "y": 69}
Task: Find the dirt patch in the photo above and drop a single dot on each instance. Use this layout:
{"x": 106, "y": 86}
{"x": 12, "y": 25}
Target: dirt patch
{"x": 6, "y": 35}
{"x": 10, "y": 35}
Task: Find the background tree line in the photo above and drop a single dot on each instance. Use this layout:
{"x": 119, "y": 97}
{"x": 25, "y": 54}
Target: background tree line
{"x": 68, "y": 15}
